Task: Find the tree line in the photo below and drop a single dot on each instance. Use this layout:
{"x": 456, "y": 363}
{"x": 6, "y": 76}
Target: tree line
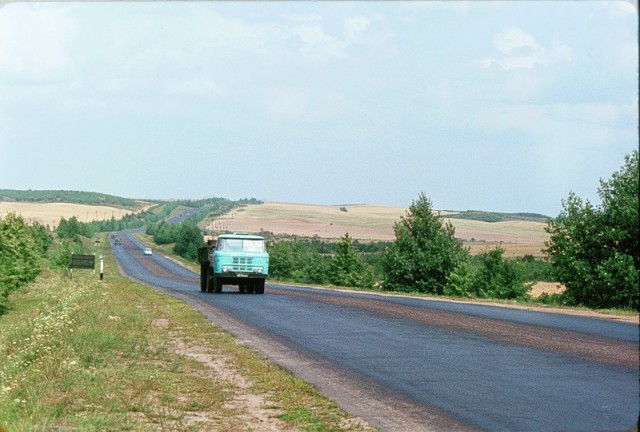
{"x": 77, "y": 197}
{"x": 593, "y": 251}
{"x": 186, "y": 235}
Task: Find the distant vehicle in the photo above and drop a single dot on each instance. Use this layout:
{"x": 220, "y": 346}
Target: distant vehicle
{"x": 234, "y": 259}
{"x": 148, "y": 251}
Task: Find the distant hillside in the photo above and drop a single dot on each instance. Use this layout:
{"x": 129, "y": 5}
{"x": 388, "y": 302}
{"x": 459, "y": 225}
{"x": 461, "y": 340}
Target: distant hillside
{"x": 498, "y": 217}
{"x": 74, "y": 197}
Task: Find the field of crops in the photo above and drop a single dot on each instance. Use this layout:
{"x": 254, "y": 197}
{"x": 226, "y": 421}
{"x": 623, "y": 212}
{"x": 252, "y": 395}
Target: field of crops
{"x": 369, "y": 222}
{"x": 50, "y": 213}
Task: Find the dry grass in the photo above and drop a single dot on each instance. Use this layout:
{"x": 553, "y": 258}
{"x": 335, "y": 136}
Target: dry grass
{"x": 50, "y": 213}
{"x": 511, "y": 250}
{"x": 540, "y": 288}
{"x": 368, "y": 222}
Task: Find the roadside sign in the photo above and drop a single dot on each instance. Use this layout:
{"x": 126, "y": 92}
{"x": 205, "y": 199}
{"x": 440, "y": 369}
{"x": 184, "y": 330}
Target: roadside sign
{"x": 83, "y": 261}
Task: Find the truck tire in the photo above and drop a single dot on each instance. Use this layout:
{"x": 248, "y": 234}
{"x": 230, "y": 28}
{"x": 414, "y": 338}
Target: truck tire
{"x": 217, "y": 285}
{"x": 259, "y": 287}
{"x": 204, "y": 276}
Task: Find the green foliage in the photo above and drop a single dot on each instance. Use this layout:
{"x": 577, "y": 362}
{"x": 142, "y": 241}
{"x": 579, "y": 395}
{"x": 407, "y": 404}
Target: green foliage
{"x": 72, "y": 228}
{"x": 461, "y": 282}
{"x": 66, "y": 196}
{"x": 497, "y": 217}
{"x": 346, "y": 267}
{"x": 188, "y": 240}
{"x": 488, "y": 276}
{"x": 42, "y": 237}
{"x": 535, "y": 270}
{"x": 281, "y": 260}
{"x": 165, "y": 233}
{"x": 499, "y": 278}
{"x": 309, "y": 261}
{"x": 21, "y": 247}
{"x": 425, "y": 251}
{"x": 595, "y": 251}
{"x": 61, "y": 256}
{"x": 296, "y": 261}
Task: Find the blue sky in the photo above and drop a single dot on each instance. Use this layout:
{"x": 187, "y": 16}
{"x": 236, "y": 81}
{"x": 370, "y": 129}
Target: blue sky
{"x": 497, "y": 106}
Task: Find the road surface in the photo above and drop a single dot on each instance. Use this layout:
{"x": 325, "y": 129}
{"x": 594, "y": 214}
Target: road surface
{"x": 414, "y": 364}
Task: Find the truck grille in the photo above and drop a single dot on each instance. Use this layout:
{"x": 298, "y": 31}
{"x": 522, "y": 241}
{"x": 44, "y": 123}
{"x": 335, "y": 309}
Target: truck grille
{"x": 242, "y": 264}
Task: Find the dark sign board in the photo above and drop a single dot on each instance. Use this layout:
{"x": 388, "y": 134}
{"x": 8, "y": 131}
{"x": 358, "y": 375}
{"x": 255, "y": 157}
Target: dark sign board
{"x": 83, "y": 261}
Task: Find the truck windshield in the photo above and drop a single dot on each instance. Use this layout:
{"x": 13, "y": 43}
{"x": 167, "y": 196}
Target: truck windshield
{"x": 240, "y": 245}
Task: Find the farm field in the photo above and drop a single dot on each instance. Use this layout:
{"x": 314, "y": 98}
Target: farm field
{"x": 375, "y": 223}
{"x": 50, "y": 213}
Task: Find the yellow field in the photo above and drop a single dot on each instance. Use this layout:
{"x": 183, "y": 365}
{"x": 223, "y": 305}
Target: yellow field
{"x": 367, "y": 222}
{"x": 50, "y": 213}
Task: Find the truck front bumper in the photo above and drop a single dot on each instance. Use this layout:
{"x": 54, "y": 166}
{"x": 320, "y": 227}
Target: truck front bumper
{"x": 240, "y": 275}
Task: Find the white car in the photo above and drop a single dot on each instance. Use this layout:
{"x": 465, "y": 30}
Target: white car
{"x": 148, "y": 251}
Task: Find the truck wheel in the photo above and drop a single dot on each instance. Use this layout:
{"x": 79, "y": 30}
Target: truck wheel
{"x": 242, "y": 287}
{"x": 250, "y": 288}
{"x": 260, "y": 287}
{"x": 217, "y": 286}
{"x": 210, "y": 285}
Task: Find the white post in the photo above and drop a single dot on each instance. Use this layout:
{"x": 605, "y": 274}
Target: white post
{"x": 101, "y": 267}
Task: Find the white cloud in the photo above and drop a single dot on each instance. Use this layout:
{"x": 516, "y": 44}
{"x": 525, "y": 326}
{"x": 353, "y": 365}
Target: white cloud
{"x": 35, "y": 40}
{"x": 286, "y": 103}
{"x": 317, "y": 44}
{"x": 520, "y": 50}
{"x": 302, "y": 103}
{"x": 355, "y": 27}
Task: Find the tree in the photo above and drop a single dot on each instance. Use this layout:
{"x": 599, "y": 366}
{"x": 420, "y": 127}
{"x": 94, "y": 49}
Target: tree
{"x": 281, "y": 260}
{"x": 594, "y": 250}
{"x": 20, "y": 253}
{"x": 425, "y": 251}
{"x": 189, "y": 239}
{"x": 70, "y": 229}
{"x": 346, "y": 269}
{"x": 499, "y": 278}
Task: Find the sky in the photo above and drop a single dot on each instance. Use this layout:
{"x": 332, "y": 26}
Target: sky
{"x": 496, "y": 106}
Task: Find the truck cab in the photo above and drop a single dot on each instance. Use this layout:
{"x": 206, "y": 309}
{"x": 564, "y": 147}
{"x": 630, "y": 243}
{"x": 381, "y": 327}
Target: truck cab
{"x": 234, "y": 259}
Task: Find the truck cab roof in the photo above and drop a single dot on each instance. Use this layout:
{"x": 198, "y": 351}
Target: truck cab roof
{"x": 241, "y": 236}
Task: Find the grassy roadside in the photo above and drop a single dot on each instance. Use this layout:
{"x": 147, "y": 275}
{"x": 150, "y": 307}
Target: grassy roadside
{"x": 83, "y": 354}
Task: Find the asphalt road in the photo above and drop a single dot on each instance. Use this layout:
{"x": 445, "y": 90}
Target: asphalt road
{"x": 412, "y": 364}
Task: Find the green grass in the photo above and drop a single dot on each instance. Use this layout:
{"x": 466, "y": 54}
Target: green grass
{"x": 83, "y": 354}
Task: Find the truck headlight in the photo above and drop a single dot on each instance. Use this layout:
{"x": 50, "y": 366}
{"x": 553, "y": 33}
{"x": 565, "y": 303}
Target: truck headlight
{"x": 225, "y": 269}
{"x": 257, "y": 270}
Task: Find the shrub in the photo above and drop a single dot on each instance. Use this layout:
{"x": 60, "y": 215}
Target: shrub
{"x": 21, "y": 247}
{"x": 425, "y": 251}
{"x": 595, "y": 251}
{"x": 490, "y": 277}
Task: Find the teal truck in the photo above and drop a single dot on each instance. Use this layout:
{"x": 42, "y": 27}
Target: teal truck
{"x": 234, "y": 259}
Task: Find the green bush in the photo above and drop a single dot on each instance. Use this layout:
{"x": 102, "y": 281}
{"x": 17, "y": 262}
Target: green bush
{"x": 347, "y": 269}
{"x": 488, "y": 276}
{"x": 188, "y": 240}
{"x": 534, "y": 270}
{"x": 61, "y": 257}
{"x": 425, "y": 252}
{"x": 21, "y": 247}
{"x": 595, "y": 250}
